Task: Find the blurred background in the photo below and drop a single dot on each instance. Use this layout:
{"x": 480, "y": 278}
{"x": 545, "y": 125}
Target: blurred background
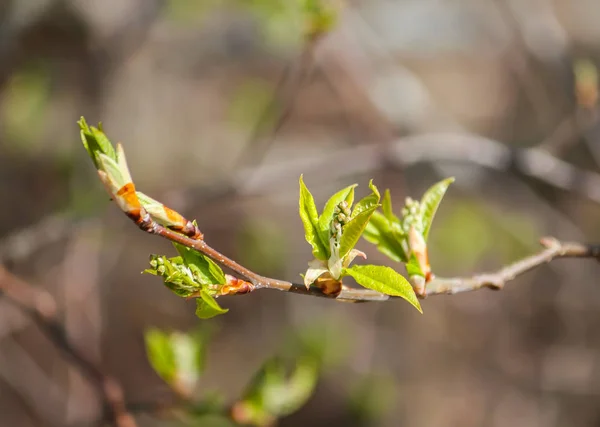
{"x": 221, "y": 105}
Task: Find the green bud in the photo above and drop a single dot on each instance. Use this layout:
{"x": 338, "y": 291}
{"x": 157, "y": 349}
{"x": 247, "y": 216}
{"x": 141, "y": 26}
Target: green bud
{"x": 342, "y": 218}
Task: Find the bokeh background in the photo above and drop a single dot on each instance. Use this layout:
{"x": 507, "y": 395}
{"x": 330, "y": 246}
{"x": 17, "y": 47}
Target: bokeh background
{"x": 221, "y": 104}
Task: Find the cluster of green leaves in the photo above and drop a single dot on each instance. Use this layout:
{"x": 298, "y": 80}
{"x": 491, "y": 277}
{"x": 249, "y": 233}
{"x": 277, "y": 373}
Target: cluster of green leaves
{"x": 191, "y": 274}
{"x": 333, "y": 235}
{"x": 392, "y": 234}
{"x": 280, "y": 387}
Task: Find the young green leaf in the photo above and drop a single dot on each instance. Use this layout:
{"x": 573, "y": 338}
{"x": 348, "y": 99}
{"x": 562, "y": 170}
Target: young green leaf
{"x": 207, "y": 307}
{"x": 176, "y": 275}
{"x": 273, "y": 393}
{"x": 380, "y": 232}
{"x": 205, "y": 270}
{"x": 189, "y": 353}
{"x": 310, "y": 219}
{"x": 368, "y": 201}
{"x": 388, "y": 211}
{"x": 176, "y": 357}
{"x": 347, "y": 194}
{"x": 161, "y": 354}
{"x": 385, "y": 280}
{"x": 413, "y": 268}
{"x": 95, "y": 142}
{"x": 354, "y": 229}
{"x": 111, "y": 168}
{"x": 430, "y": 202}
{"x": 300, "y": 386}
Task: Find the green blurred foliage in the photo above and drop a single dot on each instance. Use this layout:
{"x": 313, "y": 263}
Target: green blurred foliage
{"x": 262, "y": 246}
{"x": 468, "y": 233}
{"x": 282, "y": 23}
{"x": 178, "y": 358}
{"x": 24, "y": 105}
{"x": 253, "y": 105}
{"x": 190, "y": 12}
{"x": 371, "y": 398}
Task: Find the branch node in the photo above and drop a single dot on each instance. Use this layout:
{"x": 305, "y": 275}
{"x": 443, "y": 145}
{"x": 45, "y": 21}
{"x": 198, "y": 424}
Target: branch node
{"x": 550, "y": 242}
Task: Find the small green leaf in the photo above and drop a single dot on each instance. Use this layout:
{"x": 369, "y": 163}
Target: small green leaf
{"x": 176, "y": 357}
{"x": 95, "y": 142}
{"x": 388, "y": 211}
{"x": 175, "y": 274}
{"x": 207, "y": 307}
{"x": 103, "y": 142}
{"x": 430, "y": 202}
{"x": 310, "y": 218}
{"x": 111, "y": 168}
{"x": 368, "y": 201}
{"x": 413, "y": 268}
{"x": 326, "y": 217}
{"x": 273, "y": 393}
{"x": 161, "y": 354}
{"x": 190, "y": 355}
{"x": 385, "y": 280}
{"x": 205, "y": 270}
{"x": 379, "y": 232}
{"x": 300, "y": 386}
{"x": 354, "y": 229}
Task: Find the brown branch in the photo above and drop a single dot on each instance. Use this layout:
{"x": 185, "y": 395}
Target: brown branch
{"x": 553, "y": 249}
{"x": 41, "y": 307}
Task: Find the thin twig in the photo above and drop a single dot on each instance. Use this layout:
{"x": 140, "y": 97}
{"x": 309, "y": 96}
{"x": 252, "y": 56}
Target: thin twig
{"x": 290, "y": 84}
{"x": 41, "y": 307}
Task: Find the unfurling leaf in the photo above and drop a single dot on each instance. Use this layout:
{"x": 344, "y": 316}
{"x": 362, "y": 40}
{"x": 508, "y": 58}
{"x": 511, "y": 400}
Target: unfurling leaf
{"x": 177, "y": 358}
{"x": 387, "y": 208}
{"x": 176, "y": 275}
{"x": 207, "y": 307}
{"x": 275, "y": 392}
{"x": 367, "y": 202}
{"x": 389, "y": 241}
{"x": 95, "y": 142}
{"x": 161, "y": 354}
{"x": 385, "y": 280}
{"x": 347, "y": 195}
{"x": 430, "y": 202}
{"x": 354, "y": 229}
{"x": 310, "y": 219}
{"x": 204, "y": 269}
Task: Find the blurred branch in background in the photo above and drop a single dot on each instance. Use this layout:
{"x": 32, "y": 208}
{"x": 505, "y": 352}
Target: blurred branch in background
{"x": 41, "y": 307}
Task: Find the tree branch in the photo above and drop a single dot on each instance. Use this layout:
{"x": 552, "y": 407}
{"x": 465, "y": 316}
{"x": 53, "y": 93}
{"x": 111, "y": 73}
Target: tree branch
{"x": 41, "y": 307}
{"x": 460, "y": 148}
{"x": 553, "y": 249}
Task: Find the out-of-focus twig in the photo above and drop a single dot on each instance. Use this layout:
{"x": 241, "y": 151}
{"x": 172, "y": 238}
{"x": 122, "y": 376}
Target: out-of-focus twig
{"x": 569, "y": 130}
{"x": 22, "y": 243}
{"x": 408, "y": 151}
{"x": 289, "y": 86}
{"x": 42, "y": 308}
